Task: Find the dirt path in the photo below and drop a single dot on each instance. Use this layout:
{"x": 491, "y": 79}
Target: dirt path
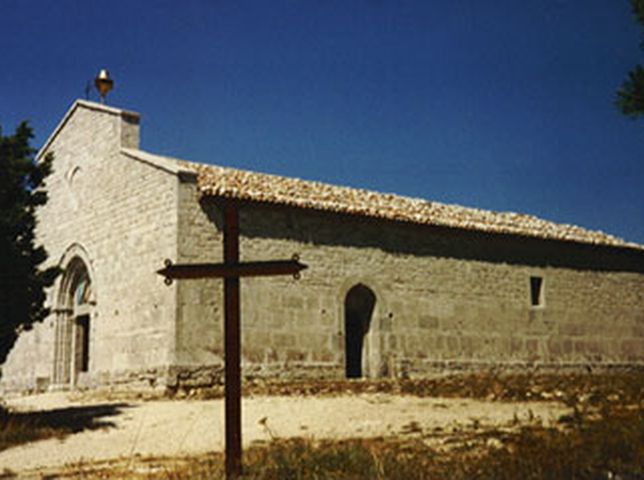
{"x": 180, "y": 427}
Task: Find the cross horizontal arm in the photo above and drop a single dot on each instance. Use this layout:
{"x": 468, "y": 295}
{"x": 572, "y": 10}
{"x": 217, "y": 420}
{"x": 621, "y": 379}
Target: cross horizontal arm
{"x": 235, "y": 270}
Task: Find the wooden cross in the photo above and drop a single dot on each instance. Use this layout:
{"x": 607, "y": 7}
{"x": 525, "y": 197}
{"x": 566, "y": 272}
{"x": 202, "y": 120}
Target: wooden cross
{"x": 231, "y": 270}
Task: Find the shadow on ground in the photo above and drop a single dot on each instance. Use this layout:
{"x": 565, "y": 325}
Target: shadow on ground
{"x": 17, "y": 428}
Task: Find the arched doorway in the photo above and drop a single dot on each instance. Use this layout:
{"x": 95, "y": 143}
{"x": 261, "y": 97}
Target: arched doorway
{"x": 358, "y": 310}
{"x": 73, "y": 322}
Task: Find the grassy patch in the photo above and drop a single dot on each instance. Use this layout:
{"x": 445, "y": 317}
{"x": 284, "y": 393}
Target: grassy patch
{"x": 491, "y": 385}
{"x": 600, "y": 444}
{"x": 607, "y": 442}
{"x": 602, "y": 438}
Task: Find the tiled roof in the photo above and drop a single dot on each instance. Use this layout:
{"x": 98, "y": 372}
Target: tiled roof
{"x": 219, "y": 181}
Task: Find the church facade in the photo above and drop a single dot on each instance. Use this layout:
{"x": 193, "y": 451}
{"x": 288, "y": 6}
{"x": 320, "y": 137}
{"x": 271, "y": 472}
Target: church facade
{"x": 395, "y": 287}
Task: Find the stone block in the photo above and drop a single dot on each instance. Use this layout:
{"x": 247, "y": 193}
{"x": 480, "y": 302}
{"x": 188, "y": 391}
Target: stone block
{"x": 428, "y": 322}
{"x": 283, "y": 340}
{"x": 572, "y": 329}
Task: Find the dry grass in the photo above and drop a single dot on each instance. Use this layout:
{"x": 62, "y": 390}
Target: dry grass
{"x": 568, "y": 388}
{"x": 610, "y": 445}
{"x": 613, "y": 442}
{"x": 602, "y": 439}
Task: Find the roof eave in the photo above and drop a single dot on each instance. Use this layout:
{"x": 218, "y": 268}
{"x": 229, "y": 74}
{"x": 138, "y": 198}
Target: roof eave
{"x": 158, "y": 162}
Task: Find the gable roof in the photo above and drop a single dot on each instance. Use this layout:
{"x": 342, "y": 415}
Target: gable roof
{"x": 99, "y": 107}
{"x": 217, "y": 181}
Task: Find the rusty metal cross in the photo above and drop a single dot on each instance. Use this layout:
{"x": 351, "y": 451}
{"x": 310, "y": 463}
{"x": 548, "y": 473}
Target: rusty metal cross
{"x": 231, "y": 270}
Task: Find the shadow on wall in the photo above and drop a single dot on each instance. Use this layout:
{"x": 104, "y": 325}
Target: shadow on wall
{"x": 327, "y": 228}
{"x": 22, "y": 427}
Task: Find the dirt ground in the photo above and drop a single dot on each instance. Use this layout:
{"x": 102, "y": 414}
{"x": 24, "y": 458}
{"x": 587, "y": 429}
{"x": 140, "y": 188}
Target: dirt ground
{"x": 126, "y": 429}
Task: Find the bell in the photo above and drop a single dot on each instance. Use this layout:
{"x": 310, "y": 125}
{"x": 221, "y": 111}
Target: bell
{"x": 103, "y": 83}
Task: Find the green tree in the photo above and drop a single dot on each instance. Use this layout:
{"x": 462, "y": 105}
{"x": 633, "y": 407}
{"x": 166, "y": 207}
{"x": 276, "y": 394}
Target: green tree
{"x": 630, "y": 96}
{"x": 22, "y": 281}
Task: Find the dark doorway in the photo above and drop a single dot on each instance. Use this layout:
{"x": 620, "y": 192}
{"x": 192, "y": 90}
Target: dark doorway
{"x": 358, "y": 308}
{"x": 82, "y": 343}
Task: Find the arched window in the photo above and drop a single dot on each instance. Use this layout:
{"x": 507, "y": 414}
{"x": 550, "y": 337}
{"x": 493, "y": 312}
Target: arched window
{"x": 82, "y": 291}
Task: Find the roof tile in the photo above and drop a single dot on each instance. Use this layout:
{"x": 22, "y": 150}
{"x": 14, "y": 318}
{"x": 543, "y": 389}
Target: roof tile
{"x": 219, "y": 181}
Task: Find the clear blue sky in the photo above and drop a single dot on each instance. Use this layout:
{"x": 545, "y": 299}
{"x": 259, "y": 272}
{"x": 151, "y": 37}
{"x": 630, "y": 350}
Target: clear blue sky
{"x": 502, "y": 105}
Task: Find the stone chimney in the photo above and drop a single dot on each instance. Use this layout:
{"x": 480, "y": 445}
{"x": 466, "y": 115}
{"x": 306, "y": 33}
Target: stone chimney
{"x": 130, "y": 129}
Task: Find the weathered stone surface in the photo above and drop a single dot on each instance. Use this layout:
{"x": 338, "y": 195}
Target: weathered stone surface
{"x": 446, "y": 299}
{"x": 122, "y": 215}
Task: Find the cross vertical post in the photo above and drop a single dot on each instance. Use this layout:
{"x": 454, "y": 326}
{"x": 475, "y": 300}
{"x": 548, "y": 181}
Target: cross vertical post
{"x": 231, "y": 270}
{"x": 232, "y": 344}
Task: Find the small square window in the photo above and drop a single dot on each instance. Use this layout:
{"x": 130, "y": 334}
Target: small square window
{"x": 536, "y": 291}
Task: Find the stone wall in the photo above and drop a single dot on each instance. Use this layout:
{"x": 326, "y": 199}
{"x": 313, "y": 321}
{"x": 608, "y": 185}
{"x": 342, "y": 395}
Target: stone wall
{"x": 199, "y": 333}
{"x": 120, "y": 215}
{"x": 446, "y": 299}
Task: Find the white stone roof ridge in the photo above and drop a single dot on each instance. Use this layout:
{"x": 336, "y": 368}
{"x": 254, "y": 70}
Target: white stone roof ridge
{"x": 214, "y": 180}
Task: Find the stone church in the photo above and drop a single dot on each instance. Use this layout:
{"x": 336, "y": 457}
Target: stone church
{"x": 395, "y": 286}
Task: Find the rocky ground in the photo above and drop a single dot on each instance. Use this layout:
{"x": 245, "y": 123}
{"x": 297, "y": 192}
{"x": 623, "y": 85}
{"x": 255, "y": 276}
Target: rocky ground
{"x": 489, "y": 419}
{"x": 128, "y": 429}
